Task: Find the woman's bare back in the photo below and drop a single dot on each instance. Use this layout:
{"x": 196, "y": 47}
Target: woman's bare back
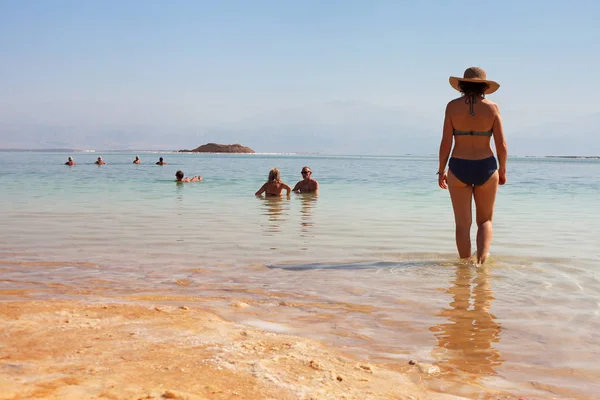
{"x": 273, "y": 189}
{"x": 485, "y": 116}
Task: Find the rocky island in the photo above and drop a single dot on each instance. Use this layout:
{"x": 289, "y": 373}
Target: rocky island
{"x": 219, "y": 148}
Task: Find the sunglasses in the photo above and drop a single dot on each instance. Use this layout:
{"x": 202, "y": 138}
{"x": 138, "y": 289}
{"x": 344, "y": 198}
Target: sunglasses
{"x": 305, "y": 172}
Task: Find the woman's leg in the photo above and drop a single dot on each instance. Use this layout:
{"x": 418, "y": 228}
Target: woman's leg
{"x": 461, "y": 195}
{"x": 485, "y": 198}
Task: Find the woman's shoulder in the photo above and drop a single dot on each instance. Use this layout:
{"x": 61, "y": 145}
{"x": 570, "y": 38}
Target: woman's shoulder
{"x": 493, "y": 106}
{"x": 457, "y": 105}
{"x": 461, "y": 100}
{"x": 455, "y": 101}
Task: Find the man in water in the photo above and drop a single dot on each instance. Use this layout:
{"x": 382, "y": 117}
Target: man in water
{"x": 179, "y": 175}
{"x": 307, "y": 184}
{"x": 100, "y": 161}
{"x": 161, "y": 162}
{"x": 137, "y": 160}
{"x": 70, "y": 162}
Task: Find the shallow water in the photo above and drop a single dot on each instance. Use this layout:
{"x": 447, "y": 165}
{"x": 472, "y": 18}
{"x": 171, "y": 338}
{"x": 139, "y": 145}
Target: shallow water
{"x": 369, "y": 264}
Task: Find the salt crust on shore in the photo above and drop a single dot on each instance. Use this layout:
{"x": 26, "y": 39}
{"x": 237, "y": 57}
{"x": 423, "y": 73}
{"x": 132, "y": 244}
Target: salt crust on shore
{"x": 76, "y": 350}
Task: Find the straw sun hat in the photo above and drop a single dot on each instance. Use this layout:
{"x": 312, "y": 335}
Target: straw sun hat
{"x": 474, "y": 74}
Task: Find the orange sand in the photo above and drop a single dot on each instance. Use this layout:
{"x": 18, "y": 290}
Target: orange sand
{"x": 76, "y": 350}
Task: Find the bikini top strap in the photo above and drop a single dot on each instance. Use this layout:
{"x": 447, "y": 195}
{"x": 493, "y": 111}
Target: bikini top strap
{"x": 470, "y": 100}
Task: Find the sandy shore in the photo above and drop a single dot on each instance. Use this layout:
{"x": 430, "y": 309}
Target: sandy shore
{"x": 77, "y": 350}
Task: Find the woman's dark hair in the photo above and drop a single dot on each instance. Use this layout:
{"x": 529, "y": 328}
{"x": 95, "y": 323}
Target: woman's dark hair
{"x": 179, "y": 175}
{"x": 472, "y": 88}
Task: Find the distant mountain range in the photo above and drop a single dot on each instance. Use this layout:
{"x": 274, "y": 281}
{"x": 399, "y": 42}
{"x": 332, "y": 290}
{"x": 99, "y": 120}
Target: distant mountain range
{"x": 342, "y": 127}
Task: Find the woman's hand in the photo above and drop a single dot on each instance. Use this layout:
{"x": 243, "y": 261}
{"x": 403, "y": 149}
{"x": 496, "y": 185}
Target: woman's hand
{"x": 502, "y": 176}
{"x": 443, "y": 180}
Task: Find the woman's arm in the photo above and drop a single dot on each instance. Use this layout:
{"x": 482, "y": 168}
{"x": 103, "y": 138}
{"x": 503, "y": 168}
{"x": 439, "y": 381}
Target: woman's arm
{"x": 501, "y": 148}
{"x": 287, "y": 188}
{"x": 446, "y": 143}
{"x": 261, "y": 190}
{"x": 445, "y": 148}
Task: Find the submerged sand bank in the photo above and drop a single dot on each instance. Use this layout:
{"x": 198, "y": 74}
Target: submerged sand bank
{"x": 77, "y": 350}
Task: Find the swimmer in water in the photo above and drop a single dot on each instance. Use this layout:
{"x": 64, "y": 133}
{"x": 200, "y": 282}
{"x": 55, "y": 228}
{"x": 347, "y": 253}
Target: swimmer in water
{"x": 274, "y": 186}
{"x": 307, "y": 184}
{"x": 161, "y": 162}
{"x": 70, "y": 162}
{"x": 137, "y": 160}
{"x": 179, "y": 175}
{"x": 100, "y": 161}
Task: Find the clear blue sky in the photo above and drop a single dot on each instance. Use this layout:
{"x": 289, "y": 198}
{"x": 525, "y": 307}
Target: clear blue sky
{"x": 187, "y": 63}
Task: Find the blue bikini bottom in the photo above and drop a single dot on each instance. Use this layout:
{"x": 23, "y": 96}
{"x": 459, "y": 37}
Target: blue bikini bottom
{"x": 473, "y": 172}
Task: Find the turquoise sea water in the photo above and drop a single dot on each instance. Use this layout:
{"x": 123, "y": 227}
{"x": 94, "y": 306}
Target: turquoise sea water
{"x": 369, "y": 264}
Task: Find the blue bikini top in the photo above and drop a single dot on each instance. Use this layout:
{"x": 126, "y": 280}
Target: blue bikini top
{"x": 470, "y": 100}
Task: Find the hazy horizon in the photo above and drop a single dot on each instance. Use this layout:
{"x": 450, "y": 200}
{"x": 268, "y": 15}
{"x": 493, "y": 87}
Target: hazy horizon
{"x": 337, "y": 77}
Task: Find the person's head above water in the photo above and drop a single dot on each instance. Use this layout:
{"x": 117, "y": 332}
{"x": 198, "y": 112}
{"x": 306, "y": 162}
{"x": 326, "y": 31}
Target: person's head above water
{"x": 274, "y": 175}
{"x": 137, "y": 157}
{"x": 99, "y": 158}
{"x": 160, "y": 159}
{"x": 179, "y": 175}
{"x": 474, "y": 82}
{"x": 70, "y": 159}
{"x": 306, "y": 172}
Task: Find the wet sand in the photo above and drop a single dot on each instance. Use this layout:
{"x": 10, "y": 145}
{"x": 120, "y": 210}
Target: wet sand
{"x": 86, "y": 350}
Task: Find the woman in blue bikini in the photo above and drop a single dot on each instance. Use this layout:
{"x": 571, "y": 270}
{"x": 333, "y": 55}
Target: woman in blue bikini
{"x": 473, "y": 172}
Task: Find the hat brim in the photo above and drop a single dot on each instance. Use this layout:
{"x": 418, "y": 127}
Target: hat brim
{"x": 492, "y": 85}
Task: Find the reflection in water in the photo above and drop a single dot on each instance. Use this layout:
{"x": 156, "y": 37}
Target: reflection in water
{"x": 179, "y": 197}
{"x": 465, "y": 341}
{"x": 179, "y": 190}
{"x": 273, "y": 209}
{"x": 307, "y": 202}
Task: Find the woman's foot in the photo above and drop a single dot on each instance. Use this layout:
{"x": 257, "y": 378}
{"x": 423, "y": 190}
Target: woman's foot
{"x": 482, "y": 258}
{"x": 468, "y": 262}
